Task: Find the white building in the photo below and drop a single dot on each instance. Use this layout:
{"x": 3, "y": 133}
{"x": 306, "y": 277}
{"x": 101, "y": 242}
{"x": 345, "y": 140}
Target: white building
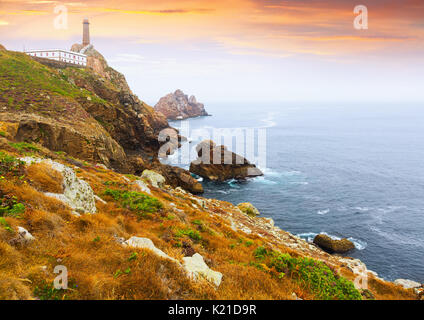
{"x": 60, "y": 55}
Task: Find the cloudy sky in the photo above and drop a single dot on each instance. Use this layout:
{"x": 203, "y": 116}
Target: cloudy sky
{"x": 241, "y": 50}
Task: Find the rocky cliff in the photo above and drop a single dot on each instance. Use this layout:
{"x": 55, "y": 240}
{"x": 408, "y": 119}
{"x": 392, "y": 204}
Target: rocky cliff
{"x": 90, "y": 114}
{"x": 134, "y": 236}
{"x": 178, "y": 106}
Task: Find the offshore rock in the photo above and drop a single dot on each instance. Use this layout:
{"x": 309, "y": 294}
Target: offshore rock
{"x": 178, "y": 106}
{"x": 216, "y": 163}
{"x": 333, "y": 246}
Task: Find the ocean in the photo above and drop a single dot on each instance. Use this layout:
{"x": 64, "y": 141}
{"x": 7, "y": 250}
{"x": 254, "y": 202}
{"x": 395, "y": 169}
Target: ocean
{"x": 351, "y": 171}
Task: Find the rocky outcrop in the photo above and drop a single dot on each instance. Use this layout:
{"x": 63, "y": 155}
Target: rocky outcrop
{"x": 248, "y": 209}
{"x": 154, "y": 178}
{"x": 76, "y": 140}
{"x": 176, "y": 176}
{"x": 77, "y": 194}
{"x": 145, "y": 243}
{"x": 2, "y": 48}
{"x": 178, "y": 106}
{"x": 197, "y": 268}
{"x": 333, "y": 246}
{"x": 216, "y": 163}
{"x": 130, "y": 121}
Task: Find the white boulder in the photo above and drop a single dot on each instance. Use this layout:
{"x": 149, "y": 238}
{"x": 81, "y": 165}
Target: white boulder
{"x": 145, "y": 243}
{"x": 154, "y": 178}
{"x": 143, "y": 186}
{"x": 77, "y": 193}
{"x": 197, "y": 268}
{"x": 25, "y": 235}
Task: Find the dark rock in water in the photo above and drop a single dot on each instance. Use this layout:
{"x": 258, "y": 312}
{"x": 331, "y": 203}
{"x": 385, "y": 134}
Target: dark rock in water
{"x": 333, "y": 246}
{"x": 216, "y": 163}
{"x": 179, "y": 177}
{"x": 178, "y": 106}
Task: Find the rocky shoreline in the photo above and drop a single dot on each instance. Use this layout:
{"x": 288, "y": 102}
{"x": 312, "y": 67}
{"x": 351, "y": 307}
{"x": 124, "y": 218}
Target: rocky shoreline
{"x": 81, "y": 186}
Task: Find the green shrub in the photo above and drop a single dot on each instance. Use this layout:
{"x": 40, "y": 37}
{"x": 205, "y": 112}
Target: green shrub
{"x": 314, "y": 275}
{"x": 260, "y": 253}
{"x": 24, "y": 146}
{"x": 9, "y": 164}
{"x": 9, "y": 206}
{"x": 5, "y": 225}
{"x": 47, "y": 291}
{"x": 135, "y": 201}
{"x": 3, "y": 134}
{"x": 193, "y": 234}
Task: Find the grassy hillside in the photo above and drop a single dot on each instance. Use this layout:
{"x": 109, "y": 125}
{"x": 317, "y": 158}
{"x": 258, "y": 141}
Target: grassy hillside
{"x": 78, "y": 119}
{"x": 254, "y": 265}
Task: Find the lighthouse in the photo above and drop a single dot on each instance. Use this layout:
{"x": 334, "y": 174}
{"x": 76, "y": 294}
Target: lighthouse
{"x": 86, "y": 33}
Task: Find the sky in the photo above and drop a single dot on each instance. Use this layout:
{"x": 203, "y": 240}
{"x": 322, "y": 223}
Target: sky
{"x": 230, "y": 51}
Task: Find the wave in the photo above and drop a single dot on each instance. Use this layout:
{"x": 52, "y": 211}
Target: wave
{"x": 302, "y": 183}
{"x": 397, "y": 238}
{"x": 309, "y": 236}
{"x": 323, "y": 212}
{"x": 263, "y": 180}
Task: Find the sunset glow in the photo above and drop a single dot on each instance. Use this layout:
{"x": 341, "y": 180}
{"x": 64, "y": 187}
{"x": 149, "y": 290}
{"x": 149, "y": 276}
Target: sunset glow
{"x": 226, "y": 32}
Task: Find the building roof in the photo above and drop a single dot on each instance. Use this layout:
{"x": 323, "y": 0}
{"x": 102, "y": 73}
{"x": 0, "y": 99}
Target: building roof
{"x": 62, "y": 50}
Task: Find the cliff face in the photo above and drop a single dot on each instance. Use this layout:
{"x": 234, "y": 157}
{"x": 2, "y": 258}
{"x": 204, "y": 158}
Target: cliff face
{"x": 123, "y": 236}
{"x": 177, "y": 106}
{"x": 89, "y": 113}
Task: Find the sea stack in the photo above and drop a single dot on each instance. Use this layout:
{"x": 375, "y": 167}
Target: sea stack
{"x": 216, "y": 163}
{"x": 178, "y": 106}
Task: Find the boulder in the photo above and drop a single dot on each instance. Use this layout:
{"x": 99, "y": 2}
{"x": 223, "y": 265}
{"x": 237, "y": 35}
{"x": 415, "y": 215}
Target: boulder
{"x": 216, "y": 163}
{"x": 333, "y": 246}
{"x": 176, "y": 176}
{"x": 145, "y": 243}
{"x": 2, "y": 48}
{"x": 25, "y": 235}
{"x": 178, "y": 106}
{"x": 154, "y": 178}
{"x": 143, "y": 186}
{"x": 77, "y": 193}
{"x": 248, "y": 209}
{"x": 197, "y": 268}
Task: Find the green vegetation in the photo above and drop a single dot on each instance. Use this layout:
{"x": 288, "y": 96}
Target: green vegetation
{"x": 9, "y": 164}
{"x": 28, "y": 85}
{"x": 193, "y": 234}
{"x": 135, "y": 201}
{"x": 197, "y": 222}
{"x": 133, "y": 256}
{"x": 24, "y": 146}
{"x": 47, "y": 291}
{"x": 2, "y": 134}
{"x": 314, "y": 275}
{"x": 5, "y": 225}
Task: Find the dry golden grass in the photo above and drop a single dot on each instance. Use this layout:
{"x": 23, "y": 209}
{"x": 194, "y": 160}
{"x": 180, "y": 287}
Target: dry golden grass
{"x": 44, "y": 178}
{"x": 100, "y": 268}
